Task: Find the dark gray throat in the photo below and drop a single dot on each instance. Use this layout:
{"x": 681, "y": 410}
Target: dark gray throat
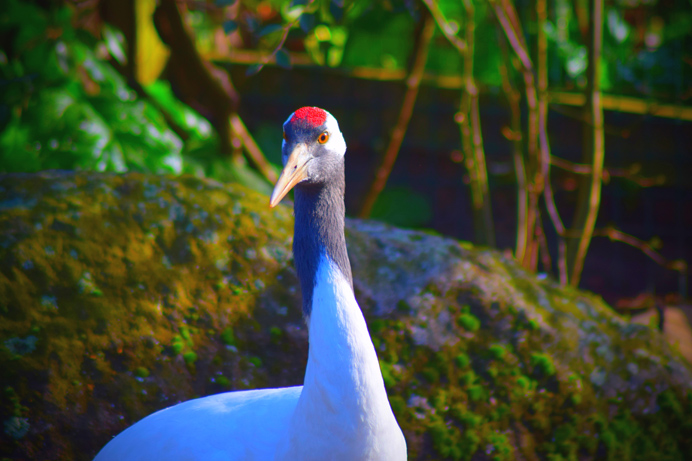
{"x": 319, "y": 231}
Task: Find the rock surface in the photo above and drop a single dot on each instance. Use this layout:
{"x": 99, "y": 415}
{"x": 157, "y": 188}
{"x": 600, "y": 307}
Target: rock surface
{"x": 120, "y": 295}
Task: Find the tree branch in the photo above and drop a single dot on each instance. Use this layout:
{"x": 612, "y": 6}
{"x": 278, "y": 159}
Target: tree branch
{"x": 254, "y": 153}
{"x": 590, "y": 199}
{"x": 548, "y": 197}
{"x": 472, "y": 140}
{"x": 412, "y": 86}
{"x": 607, "y": 173}
{"x": 507, "y": 18}
{"x": 616, "y": 235}
{"x": 446, "y": 29}
{"x": 513, "y": 134}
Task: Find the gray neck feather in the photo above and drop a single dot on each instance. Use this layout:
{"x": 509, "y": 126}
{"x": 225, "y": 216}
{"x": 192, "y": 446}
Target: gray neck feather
{"x": 319, "y": 230}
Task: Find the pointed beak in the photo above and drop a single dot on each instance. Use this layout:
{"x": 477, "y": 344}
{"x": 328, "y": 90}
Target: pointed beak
{"x": 294, "y": 172}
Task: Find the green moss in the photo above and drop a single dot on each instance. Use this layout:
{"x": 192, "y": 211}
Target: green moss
{"x": 256, "y": 361}
{"x": 227, "y": 337}
{"x": 469, "y": 419}
{"x": 524, "y": 382}
{"x": 388, "y": 374}
{"x": 462, "y": 360}
{"x": 177, "y": 344}
{"x": 403, "y": 307}
{"x": 468, "y": 378}
{"x": 497, "y": 351}
{"x": 469, "y": 322}
{"x": 398, "y": 405}
{"x": 222, "y": 381}
{"x": 275, "y": 333}
{"x": 185, "y": 333}
{"x": 477, "y": 393}
{"x": 445, "y": 439}
{"x": 431, "y": 374}
{"x": 500, "y": 448}
{"x": 141, "y": 372}
{"x": 543, "y": 364}
{"x": 190, "y": 357}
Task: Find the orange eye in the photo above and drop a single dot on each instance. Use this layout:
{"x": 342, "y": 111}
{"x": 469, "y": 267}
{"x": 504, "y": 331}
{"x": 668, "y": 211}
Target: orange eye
{"x": 324, "y": 137}
{"x": 285, "y": 136}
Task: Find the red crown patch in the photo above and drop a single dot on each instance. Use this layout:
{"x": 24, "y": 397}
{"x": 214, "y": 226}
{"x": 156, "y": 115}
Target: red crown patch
{"x": 313, "y": 116}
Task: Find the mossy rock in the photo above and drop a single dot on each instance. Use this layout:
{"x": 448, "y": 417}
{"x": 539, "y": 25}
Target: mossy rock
{"x": 123, "y": 294}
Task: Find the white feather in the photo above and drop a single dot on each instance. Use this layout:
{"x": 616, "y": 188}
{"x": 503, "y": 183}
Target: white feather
{"x": 244, "y": 425}
{"x": 343, "y": 412}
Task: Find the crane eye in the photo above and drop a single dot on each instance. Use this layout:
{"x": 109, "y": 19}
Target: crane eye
{"x": 285, "y": 139}
{"x": 324, "y": 137}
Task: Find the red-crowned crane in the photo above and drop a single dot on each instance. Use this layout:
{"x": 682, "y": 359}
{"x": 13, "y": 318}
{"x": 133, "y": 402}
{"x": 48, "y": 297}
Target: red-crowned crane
{"x": 341, "y": 412}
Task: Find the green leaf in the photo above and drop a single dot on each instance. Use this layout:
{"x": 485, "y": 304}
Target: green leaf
{"x": 230, "y": 26}
{"x": 268, "y": 29}
{"x": 283, "y": 59}
{"x": 196, "y": 126}
{"x": 115, "y": 42}
{"x": 252, "y": 70}
{"x": 307, "y": 22}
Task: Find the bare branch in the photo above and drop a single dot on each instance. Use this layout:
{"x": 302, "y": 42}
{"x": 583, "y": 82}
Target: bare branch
{"x": 616, "y": 235}
{"x": 590, "y": 199}
{"x": 412, "y": 86}
{"x": 254, "y": 153}
{"x": 513, "y": 134}
{"x": 446, "y": 28}
{"x": 625, "y": 173}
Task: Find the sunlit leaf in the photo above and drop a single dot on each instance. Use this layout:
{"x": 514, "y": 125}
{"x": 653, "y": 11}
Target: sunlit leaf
{"x": 115, "y": 42}
{"x": 617, "y": 26}
{"x": 197, "y": 126}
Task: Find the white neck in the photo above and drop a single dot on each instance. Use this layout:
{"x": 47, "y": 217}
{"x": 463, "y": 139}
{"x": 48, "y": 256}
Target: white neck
{"x": 343, "y": 411}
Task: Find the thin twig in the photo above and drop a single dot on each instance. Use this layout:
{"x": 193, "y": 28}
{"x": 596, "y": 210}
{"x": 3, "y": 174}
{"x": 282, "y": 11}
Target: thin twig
{"x": 507, "y": 17}
{"x": 618, "y": 236}
{"x": 472, "y": 140}
{"x": 412, "y": 86}
{"x": 514, "y": 135}
{"x": 284, "y": 35}
{"x": 625, "y": 173}
{"x": 446, "y": 28}
{"x": 587, "y": 209}
{"x": 544, "y": 146}
{"x": 543, "y": 246}
{"x": 255, "y": 155}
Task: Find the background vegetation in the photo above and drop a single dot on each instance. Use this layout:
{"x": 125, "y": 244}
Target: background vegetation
{"x": 161, "y": 87}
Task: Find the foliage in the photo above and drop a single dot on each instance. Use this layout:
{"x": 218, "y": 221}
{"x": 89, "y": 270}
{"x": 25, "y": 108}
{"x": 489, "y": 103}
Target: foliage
{"x": 65, "y": 107}
{"x": 64, "y": 103}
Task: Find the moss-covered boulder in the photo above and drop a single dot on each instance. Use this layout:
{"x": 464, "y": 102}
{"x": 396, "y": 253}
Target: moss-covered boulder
{"x": 120, "y": 295}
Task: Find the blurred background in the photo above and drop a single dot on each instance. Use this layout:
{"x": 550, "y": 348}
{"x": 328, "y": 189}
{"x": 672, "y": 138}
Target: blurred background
{"x": 559, "y": 132}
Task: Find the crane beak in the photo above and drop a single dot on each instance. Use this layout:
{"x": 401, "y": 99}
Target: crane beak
{"x": 294, "y": 172}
